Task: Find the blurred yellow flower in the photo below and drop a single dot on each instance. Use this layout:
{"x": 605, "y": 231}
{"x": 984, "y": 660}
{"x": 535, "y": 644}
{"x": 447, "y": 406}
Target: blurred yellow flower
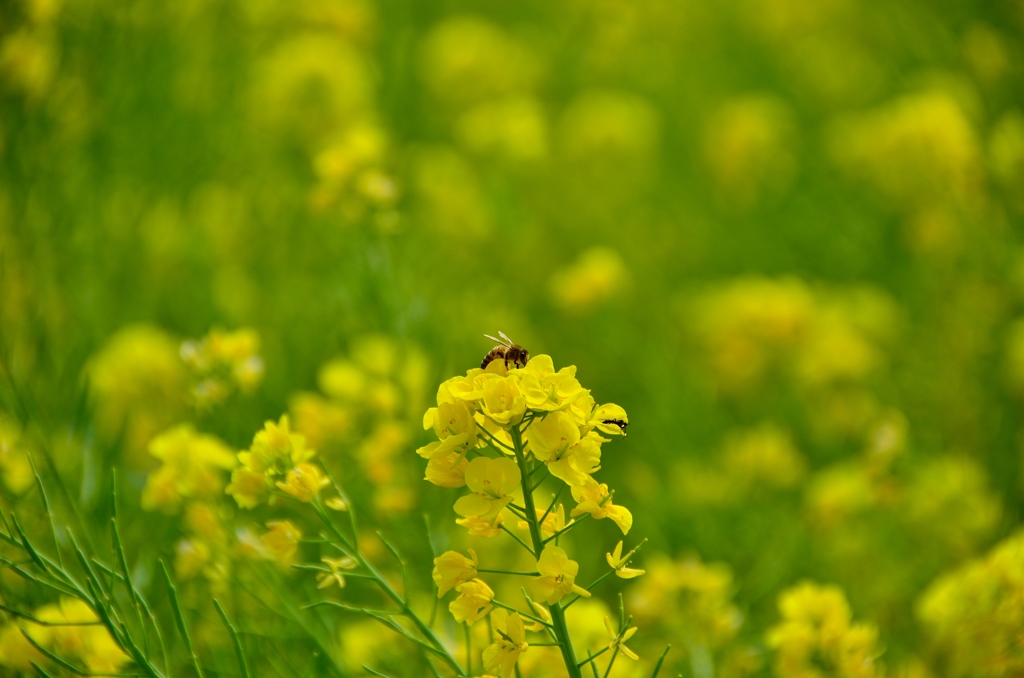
{"x": 335, "y": 576}
{"x": 596, "y": 276}
{"x": 304, "y": 482}
{"x": 191, "y": 466}
{"x": 816, "y": 634}
{"x": 15, "y": 466}
{"x": 282, "y": 540}
{"x": 619, "y": 640}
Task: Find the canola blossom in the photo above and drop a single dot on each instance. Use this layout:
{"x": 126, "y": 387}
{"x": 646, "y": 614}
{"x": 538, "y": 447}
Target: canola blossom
{"x": 503, "y": 431}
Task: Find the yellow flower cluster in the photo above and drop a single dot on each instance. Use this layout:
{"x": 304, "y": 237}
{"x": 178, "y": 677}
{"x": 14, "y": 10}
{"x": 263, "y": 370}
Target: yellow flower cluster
{"x": 752, "y": 462}
{"x": 191, "y": 466}
{"x": 565, "y": 431}
{"x": 277, "y": 459}
{"x": 826, "y": 343}
{"x": 370, "y": 405}
{"x": 596, "y": 276}
{"x": 690, "y": 597}
{"x": 137, "y": 383}
{"x": 221, "y": 363}
{"x": 72, "y": 631}
{"x": 817, "y": 638}
{"x": 974, "y": 615}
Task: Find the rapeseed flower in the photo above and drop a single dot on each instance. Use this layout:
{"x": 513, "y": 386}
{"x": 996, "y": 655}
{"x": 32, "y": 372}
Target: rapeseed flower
{"x": 492, "y": 482}
{"x": 551, "y": 524}
{"x": 335, "y": 576}
{"x": 481, "y": 527}
{"x": 451, "y": 568}
{"x": 473, "y": 603}
{"x": 282, "y": 540}
{"x": 275, "y": 452}
{"x": 557, "y": 576}
{"x": 593, "y": 498}
{"x": 304, "y": 482}
{"x": 447, "y": 471}
{"x": 504, "y": 652}
{"x": 555, "y": 440}
{"x": 619, "y": 639}
{"x": 618, "y": 562}
{"x": 191, "y": 466}
{"x": 546, "y": 390}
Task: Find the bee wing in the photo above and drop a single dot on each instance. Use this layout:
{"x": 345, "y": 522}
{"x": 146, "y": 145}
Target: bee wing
{"x": 505, "y": 337}
{"x": 506, "y": 342}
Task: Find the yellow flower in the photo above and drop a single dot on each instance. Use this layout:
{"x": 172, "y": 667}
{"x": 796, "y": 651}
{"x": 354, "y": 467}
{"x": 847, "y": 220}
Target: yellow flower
{"x": 451, "y": 568}
{"x": 276, "y": 449}
{"x": 557, "y": 576}
{"x": 504, "y": 652}
{"x": 618, "y": 563}
{"x": 15, "y": 467}
{"x": 447, "y": 471}
{"x": 282, "y": 540}
{"x": 503, "y": 402}
{"x": 555, "y": 440}
{"x": 78, "y": 636}
{"x": 336, "y": 565}
{"x": 593, "y": 498}
{"x": 546, "y": 390}
{"x": 249, "y": 488}
{"x": 450, "y": 419}
{"x": 190, "y": 558}
{"x": 481, "y": 527}
{"x": 619, "y": 639}
{"x": 553, "y": 522}
{"x": 222, "y": 361}
{"x": 191, "y": 466}
{"x": 492, "y": 482}
{"x": 816, "y": 631}
{"x": 473, "y": 603}
{"x": 203, "y": 520}
{"x": 304, "y": 482}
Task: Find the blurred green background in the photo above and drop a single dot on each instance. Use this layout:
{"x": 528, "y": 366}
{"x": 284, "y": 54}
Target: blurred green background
{"x": 783, "y": 234}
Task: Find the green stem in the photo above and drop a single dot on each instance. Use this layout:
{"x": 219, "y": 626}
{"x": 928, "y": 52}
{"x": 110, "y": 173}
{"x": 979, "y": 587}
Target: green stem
{"x": 522, "y": 574}
{"x": 390, "y": 592}
{"x": 557, "y": 616}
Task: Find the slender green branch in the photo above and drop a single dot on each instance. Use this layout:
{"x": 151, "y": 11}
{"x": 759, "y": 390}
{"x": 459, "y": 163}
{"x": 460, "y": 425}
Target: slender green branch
{"x": 435, "y": 645}
{"x": 35, "y": 620}
{"x": 592, "y": 657}
{"x": 521, "y": 574}
{"x": 551, "y": 506}
{"x": 521, "y": 542}
{"x": 661, "y": 660}
{"x": 523, "y": 614}
{"x": 179, "y": 619}
{"x": 568, "y": 527}
{"x": 234, "y": 637}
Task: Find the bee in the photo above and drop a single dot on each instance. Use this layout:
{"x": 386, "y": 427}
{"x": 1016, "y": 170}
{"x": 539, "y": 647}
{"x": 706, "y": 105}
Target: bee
{"x": 505, "y": 350}
{"x": 617, "y": 422}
